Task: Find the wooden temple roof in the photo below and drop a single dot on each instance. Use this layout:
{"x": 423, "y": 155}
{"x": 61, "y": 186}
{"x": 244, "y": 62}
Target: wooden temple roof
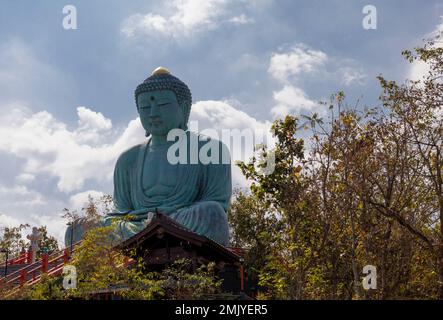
{"x": 164, "y": 228}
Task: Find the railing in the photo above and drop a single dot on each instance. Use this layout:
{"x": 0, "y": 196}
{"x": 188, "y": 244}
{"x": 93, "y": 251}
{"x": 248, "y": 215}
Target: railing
{"x": 22, "y": 258}
{"x": 31, "y": 274}
{"x": 53, "y": 264}
{"x": 56, "y": 268}
{"x": 52, "y": 267}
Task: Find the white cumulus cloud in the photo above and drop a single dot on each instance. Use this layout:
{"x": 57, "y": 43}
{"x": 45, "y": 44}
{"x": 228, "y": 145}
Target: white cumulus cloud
{"x": 289, "y": 68}
{"x": 81, "y": 199}
{"x": 300, "y": 63}
{"x": 8, "y": 221}
{"x": 88, "y": 119}
{"x": 49, "y": 146}
{"x": 241, "y": 19}
{"x": 243, "y": 131}
{"x": 418, "y": 70}
{"x": 21, "y": 195}
{"x": 182, "y": 19}
{"x": 299, "y": 59}
{"x": 352, "y": 76}
{"x": 291, "y": 99}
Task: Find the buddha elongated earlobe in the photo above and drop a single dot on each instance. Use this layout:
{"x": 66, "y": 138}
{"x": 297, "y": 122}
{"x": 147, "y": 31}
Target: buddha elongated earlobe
{"x": 182, "y": 125}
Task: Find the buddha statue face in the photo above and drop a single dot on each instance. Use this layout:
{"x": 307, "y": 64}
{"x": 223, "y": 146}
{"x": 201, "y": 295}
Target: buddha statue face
{"x": 159, "y": 112}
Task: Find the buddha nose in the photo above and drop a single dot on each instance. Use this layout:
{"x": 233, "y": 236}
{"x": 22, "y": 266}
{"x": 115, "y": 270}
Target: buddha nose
{"x": 154, "y": 111}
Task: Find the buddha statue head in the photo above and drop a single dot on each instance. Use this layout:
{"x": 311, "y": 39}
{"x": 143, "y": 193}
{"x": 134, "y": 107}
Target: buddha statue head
{"x": 163, "y": 103}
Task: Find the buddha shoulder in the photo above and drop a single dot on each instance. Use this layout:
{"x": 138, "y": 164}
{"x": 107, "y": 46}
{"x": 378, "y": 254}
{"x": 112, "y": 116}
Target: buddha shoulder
{"x": 128, "y": 157}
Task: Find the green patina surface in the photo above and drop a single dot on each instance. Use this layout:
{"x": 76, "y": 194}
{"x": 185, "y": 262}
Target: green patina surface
{"x": 195, "y": 194}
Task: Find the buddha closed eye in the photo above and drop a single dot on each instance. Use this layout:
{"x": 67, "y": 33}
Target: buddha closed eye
{"x": 160, "y": 111}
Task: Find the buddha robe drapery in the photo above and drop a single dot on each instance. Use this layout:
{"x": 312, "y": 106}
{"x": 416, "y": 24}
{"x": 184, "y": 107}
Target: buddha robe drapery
{"x": 197, "y": 196}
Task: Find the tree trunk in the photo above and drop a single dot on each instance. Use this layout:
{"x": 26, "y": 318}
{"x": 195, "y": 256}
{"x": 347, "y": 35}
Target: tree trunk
{"x": 355, "y": 270}
{"x": 440, "y": 253}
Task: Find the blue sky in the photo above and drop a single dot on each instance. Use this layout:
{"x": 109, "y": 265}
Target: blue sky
{"x": 66, "y": 96}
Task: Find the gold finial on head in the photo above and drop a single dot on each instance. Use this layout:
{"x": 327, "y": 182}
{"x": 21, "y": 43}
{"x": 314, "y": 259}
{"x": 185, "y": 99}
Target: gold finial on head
{"x": 160, "y": 70}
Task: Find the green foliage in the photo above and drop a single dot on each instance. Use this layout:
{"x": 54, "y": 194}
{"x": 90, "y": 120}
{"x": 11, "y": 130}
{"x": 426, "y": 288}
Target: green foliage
{"x": 12, "y": 240}
{"x": 49, "y": 288}
{"x": 103, "y": 269}
{"x": 179, "y": 282}
{"x": 92, "y": 213}
{"x": 48, "y": 243}
{"x": 367, "y": 190}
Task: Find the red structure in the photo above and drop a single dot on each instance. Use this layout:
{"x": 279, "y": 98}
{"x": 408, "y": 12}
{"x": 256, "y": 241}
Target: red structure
{"x": 161, "y": 243}
{"x": 24, "y": 272}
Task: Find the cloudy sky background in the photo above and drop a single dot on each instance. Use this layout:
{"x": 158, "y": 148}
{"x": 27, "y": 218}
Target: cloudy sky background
{"x": 66, "y": 96}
